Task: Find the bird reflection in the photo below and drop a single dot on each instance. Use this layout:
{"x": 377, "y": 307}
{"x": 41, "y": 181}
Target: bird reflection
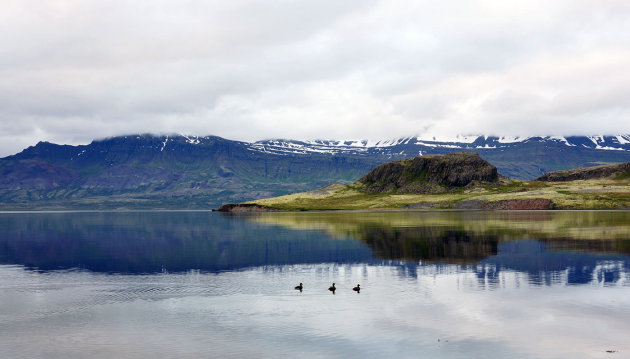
{"x": 332, "y": 288}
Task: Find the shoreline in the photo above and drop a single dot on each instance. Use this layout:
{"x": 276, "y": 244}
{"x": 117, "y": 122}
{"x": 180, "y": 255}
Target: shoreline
{"x": 367, "y": 210}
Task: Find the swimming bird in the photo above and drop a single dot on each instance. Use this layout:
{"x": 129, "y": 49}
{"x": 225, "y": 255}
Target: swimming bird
{"x": 357, "y": 288}
{"x": 332, "y": 288}
{"x": 299, "y": 287}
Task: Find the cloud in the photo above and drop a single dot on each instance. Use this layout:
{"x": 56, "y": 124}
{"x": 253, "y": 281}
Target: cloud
{"x": 72, "y": 71}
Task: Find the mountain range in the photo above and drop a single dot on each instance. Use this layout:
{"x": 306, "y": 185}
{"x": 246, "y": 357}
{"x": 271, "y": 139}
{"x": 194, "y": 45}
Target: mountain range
{"x": 177, "y": 171}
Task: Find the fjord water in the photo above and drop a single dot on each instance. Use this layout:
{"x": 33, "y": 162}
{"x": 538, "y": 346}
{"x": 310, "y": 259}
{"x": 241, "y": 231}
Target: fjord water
{"x": 203, "y": 284}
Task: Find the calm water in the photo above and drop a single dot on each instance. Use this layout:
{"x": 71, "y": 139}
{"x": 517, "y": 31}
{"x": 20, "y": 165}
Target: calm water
{"x": 202, "y": 284}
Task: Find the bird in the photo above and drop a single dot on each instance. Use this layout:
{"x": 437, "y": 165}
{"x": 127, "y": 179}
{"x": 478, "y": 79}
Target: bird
{"x": 299, "y": 287}
{"x": 332, "y": 288}
{"x": 357, "y": 288}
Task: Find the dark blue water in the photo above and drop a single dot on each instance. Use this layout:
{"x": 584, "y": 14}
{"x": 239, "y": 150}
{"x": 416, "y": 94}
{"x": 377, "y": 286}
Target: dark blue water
{"x": 435, "y": 284}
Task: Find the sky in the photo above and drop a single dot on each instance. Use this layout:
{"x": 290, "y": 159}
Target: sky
{"x": 73, "y": 71}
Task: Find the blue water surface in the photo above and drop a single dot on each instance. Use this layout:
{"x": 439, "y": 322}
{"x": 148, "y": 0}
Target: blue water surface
{"x": 205, "y": 284}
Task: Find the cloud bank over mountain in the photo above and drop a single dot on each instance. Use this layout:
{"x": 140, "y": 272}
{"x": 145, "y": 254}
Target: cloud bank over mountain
{"x": 71, "y": 71}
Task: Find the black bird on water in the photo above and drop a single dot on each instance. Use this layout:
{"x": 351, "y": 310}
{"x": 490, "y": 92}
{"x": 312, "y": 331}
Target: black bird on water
{"x": 299, "y": 287}
{"x": 332, "y": 288}
{"x": 357, "y": 288}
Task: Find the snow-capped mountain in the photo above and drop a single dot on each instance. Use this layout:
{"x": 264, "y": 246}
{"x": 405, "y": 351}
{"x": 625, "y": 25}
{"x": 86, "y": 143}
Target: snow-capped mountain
{"x": 176, "y": 171}
{"x": 414, "y": 146}
{"x": 403, "y": 147}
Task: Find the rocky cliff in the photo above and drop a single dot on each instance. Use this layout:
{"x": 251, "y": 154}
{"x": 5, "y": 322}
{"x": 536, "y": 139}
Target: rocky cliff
{"x": 429, "y": 174}
{"x": 616, "y": 171}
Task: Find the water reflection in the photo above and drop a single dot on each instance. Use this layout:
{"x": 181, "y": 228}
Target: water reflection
{"x": 485, "y": 284}
{"x": 550, "y": 247}
{"x": 428, "y": 244}
{"x": 154, "y": 242}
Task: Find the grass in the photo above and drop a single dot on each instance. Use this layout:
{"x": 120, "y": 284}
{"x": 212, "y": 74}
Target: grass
{"x": 623, "y": 176}
{"x": 583, "y": 194}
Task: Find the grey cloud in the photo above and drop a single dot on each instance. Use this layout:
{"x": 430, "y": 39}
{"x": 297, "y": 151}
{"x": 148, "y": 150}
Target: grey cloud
{"x": 72, "y": 71}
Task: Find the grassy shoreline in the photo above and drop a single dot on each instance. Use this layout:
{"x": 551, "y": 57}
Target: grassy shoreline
{"x": 579, "y": 194}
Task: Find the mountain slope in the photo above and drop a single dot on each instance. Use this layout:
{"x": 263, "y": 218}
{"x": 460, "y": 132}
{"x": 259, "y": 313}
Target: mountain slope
{"x": 162, "y": 171}
{"x": 147, "y": 171}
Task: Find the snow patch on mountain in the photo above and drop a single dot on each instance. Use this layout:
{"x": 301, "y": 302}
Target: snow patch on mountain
{"x": 412, "y": 146}
{"x": 608, "y": 148}
{"x": 437, "y": 145}
{"x": 596, "y": 139}
{"x": 456, "y": 139}
{"x": 193, "y": 140}
{"x": 512, "y": 139}
{"x": 623, "y": 140}
{"x": 561, "y": 139}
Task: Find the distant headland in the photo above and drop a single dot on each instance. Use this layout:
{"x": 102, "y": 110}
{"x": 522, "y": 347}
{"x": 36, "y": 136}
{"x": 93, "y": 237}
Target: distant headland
{"x": 461, "y": 180}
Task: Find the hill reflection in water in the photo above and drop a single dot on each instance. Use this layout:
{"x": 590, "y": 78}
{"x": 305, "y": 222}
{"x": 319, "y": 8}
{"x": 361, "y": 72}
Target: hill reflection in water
{"x": 569, "y": 246}
{"x": 574, "y": 246}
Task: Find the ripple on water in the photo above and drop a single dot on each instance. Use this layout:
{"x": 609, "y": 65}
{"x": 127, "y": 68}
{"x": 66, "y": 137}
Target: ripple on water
{"x": 256, "y": 312}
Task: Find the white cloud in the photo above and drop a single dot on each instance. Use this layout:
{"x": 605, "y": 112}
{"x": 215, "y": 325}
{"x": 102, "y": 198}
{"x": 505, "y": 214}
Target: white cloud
{"x": 72, "y": 71}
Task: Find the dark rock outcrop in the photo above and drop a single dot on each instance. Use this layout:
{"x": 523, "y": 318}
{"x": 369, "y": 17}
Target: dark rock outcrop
{"x": 429, "y": 174}
{"x": 617, "y": 171}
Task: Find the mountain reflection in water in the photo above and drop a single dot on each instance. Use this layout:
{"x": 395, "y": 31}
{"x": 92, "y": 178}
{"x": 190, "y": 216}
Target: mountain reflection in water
{"x": 575, "y": 247}
{"x": 200, "y": 284}
{"x": 153, "y": 242}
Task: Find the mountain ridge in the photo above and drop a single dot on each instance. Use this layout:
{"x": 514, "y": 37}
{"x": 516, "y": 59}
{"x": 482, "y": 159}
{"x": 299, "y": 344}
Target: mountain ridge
{"x": 620, "y": 142}
{"x": 600, "y": 142}
{"x": 180, "y": 171}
